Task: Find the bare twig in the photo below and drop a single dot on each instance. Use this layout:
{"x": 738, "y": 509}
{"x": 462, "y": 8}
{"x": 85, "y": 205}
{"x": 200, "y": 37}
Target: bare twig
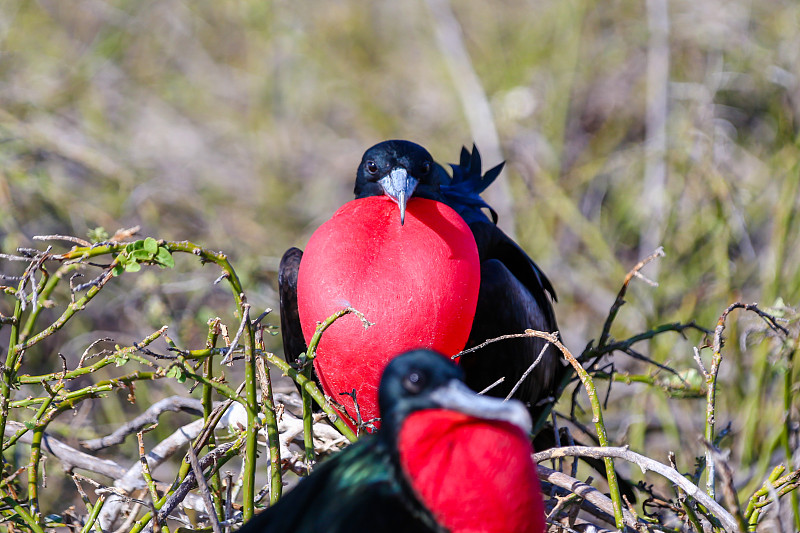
{"x": 711, "y": 380}
{"x": 645, "y": 463}
{"x": 204, "y": 491}
{"x": 149, "y": 417}
{"x": 728, "y": 490}
{"x": 69, "y": 456}
{"x": 528, "y": 333}
{"x": 585, "y": 491}
{"x": 620, "y": 300}
{"x": 190, "y": 482}
{"x": 68, "y": 238}
{"x": 131, "y": 479}
{"x": 226, "y": 360}
{"x": 528, "y": 371}
{"x": 493, "y": 385}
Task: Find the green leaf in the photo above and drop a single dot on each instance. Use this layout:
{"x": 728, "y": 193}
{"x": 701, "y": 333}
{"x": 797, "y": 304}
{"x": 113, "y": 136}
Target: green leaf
{"x": 119, "y": 268}
{"x": 30, "y": 425}
{"x": 132, "y": 266}
{"x": 141, "y": 255}
{"x": 177, "y": 373}
{"x": 164, "y": 258}
{"x": 121, "y": 359}
{"x": 98, "y": 234}
{"x": 151, "y": 245}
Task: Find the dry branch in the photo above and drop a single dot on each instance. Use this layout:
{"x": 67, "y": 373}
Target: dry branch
{"x": 645, "y": 463}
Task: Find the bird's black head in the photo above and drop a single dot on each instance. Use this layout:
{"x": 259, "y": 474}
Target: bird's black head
{"x": 423, "y": 379}
{"x": 400, "y": 170}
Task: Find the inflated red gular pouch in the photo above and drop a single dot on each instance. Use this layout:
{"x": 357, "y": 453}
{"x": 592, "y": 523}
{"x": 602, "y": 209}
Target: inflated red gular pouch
{"x": 417, "y": 284}
{"x": 476, "y": 475}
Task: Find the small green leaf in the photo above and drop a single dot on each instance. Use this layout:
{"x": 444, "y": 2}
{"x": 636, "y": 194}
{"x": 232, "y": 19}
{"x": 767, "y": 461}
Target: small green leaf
{"x": 98, "y": 234}
{"x": 121, "y": 359}
{"x": 119, "y": 268}
{"x": 164, "y": 258}
{"x": 30, "y": 425}
{"x": 132, "y": 266}
{"x": 177, "y": 373}
{"x": 141, "y": 255}
{"x": 151, "y": 245}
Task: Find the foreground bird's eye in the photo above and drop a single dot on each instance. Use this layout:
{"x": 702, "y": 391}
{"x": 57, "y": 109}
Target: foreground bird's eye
{"x": 414, "y": 381}
{"x": 426, "y": 167}
{"x": 372, "y": 167}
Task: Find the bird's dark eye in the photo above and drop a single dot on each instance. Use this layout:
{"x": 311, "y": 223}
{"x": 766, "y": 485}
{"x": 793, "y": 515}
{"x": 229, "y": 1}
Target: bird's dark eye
{"x": 414, "y": 381}
{"x": 426, "y": 167}
{"x": 372, "y": 167}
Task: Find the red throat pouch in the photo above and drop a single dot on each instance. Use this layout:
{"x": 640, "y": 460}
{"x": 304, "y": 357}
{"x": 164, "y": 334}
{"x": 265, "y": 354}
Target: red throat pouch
{"x": 475, "y": 475}
{"x": 418, "y": 283}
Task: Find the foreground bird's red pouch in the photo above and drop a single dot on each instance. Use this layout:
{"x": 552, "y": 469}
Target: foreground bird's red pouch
{"x": 477, "y": 475}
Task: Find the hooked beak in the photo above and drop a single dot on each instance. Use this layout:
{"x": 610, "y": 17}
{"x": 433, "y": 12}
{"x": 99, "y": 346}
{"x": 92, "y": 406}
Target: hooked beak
{"x": 399, "y": 186}
{"x": 456, "y": 396}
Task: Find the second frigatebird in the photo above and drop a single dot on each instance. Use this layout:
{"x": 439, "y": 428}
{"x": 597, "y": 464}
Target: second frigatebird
{"x": 385, "y": 264}
{"x": 444, "y": 460}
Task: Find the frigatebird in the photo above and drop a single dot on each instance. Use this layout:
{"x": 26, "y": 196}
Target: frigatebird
{"x": 498, "y": 291}
{"x": 445, "y": 459}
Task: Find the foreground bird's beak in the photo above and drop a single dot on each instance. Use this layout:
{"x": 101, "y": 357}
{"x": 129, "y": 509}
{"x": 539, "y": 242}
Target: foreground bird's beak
{"x": 399, "y": 186}
{"x": 457, "y": 396}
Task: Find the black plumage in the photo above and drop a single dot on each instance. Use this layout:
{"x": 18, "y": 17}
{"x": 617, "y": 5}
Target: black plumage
{"x": 514, "y": 295}
{"x": 363, "y": 488}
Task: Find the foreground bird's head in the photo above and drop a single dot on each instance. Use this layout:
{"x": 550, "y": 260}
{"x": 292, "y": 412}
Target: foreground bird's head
{"x": 423, "y": 379}
{"x": 398, "y": 169}
{"x": 466, "y": 457}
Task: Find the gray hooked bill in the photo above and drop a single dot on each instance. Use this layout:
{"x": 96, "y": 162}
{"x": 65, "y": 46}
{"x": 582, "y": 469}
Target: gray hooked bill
{"x": 399, "y": 186}
{"x": 456, "y": 396}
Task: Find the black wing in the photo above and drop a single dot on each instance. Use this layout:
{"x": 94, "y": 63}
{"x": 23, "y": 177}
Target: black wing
{"x": 514, "y": 296}
{"x": 294, "y": 343}
{"x": 355, "y": 490}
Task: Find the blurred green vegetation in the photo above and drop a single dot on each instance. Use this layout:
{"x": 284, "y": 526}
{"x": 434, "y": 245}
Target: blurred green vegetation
{"x": 239, "y": 125}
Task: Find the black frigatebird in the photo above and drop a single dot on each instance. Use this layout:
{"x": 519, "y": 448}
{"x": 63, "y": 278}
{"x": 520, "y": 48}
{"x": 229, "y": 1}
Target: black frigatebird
{"x": 386, "y": 265}
{"x": 444, "y": 459}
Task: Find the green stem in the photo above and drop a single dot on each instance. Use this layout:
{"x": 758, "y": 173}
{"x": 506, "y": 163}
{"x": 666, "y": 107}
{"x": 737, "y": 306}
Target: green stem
{"x": 33, "y": 471}
{"x": 105, "y": 361}
{"x": 311, "y": 353}
{"x": 8, "y": 371}
{"x": 308, "y": 425}
{"x": 316, "y": 394}
{"x": 597, "y": 418}
{"x": 208, "y": 407}
{"x": 47, "y": 401}
{"x": 96, "y": 508}
{"x": 671, "y": 389}
{"x": 788, "y": 395}
{"x": 232, "y": 452}
{"x": 749, "y": 512}
{"x": 306, "y": 371}
{"x": 708, "y": 433}
{"x": 21, "y": 512}
{"x": 273, "y": 438}
{"x": 146, "y": 474}
{"x": 44, "y": 294}
{"x": 251, "y": 405}
{"x": 69, "y": 312}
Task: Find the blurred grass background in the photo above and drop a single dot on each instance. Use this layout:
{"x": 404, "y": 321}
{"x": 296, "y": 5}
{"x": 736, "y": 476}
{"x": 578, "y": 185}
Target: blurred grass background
{"x": 239, "y": 125}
